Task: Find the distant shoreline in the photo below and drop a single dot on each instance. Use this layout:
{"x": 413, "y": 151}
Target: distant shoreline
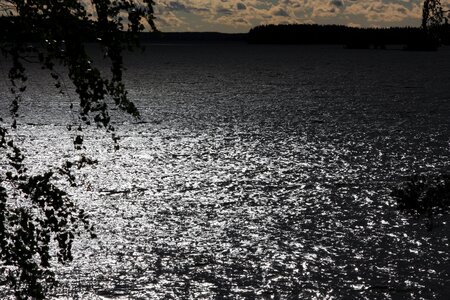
{"x": 411, "y": 38}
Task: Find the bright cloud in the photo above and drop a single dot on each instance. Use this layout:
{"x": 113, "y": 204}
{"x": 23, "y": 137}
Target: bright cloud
{"x": 241, "y": 15}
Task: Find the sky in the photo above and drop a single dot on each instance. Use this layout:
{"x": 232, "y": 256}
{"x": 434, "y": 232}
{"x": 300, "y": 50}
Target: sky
{"x": 241, "y": 15}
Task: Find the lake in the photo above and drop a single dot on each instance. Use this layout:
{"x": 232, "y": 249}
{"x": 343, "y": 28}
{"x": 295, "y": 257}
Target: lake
{"x": 256, "y": 172}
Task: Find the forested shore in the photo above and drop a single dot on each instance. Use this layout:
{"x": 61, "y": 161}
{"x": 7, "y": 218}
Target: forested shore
{"x": 351, "y": 37}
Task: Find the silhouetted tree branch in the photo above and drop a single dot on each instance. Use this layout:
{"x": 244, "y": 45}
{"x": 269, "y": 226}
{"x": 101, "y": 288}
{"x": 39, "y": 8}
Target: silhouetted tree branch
{"x": 34, "y": 212}
{"x": 433, "y": 15}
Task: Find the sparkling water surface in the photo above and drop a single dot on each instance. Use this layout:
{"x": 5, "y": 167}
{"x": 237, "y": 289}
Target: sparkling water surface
{"x": 256, "y": 172}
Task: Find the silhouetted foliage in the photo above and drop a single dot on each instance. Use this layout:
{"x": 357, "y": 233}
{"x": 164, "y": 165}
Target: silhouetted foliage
{"x": 434, "y": 25}
{"x": 34, "y": 212}
{"x": 424, "y": 195}
{"x": 420, "y": 194}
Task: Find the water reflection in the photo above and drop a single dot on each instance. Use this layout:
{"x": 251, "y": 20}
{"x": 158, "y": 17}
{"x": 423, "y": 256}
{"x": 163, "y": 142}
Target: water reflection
{"x": 250, "y": 186}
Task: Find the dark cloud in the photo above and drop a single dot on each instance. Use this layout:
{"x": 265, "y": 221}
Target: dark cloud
{"x": 241, "y": 21}
{"x": 402, "y": 10}
{"x": 241, "y": 6}
{"x": 377, "y": 9}
{"x": 281, "y": 13}
{"x": 408, "y": 5}
{"x": 337, "y": 3}
{"x": 177, "y": 6}
{"x": 224, "y": 11}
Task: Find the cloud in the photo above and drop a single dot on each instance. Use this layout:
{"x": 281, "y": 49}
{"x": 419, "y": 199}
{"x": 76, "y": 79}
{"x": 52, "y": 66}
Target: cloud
{"x": 337, "y": 3}
{"x": 224, "y": 11}
{"x": 240, "y": 6}
{"x": 174, "y": 5}
{"x": 280, "y": 12}
{"x": 241, "y": 15}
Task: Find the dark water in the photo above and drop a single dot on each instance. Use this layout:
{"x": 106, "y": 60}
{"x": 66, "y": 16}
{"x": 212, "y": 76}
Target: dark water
{"x": 258, "y": 172}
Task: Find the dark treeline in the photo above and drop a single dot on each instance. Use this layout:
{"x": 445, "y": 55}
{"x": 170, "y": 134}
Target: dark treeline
{"x": 351, "y": 37}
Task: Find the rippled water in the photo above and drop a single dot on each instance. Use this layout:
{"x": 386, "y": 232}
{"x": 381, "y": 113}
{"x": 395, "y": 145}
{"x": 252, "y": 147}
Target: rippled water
{"x": 258, "y": 172}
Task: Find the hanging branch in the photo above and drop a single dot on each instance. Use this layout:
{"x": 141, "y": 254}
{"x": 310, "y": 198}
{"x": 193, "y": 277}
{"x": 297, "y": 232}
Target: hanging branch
{"x": 34, "y": 212}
